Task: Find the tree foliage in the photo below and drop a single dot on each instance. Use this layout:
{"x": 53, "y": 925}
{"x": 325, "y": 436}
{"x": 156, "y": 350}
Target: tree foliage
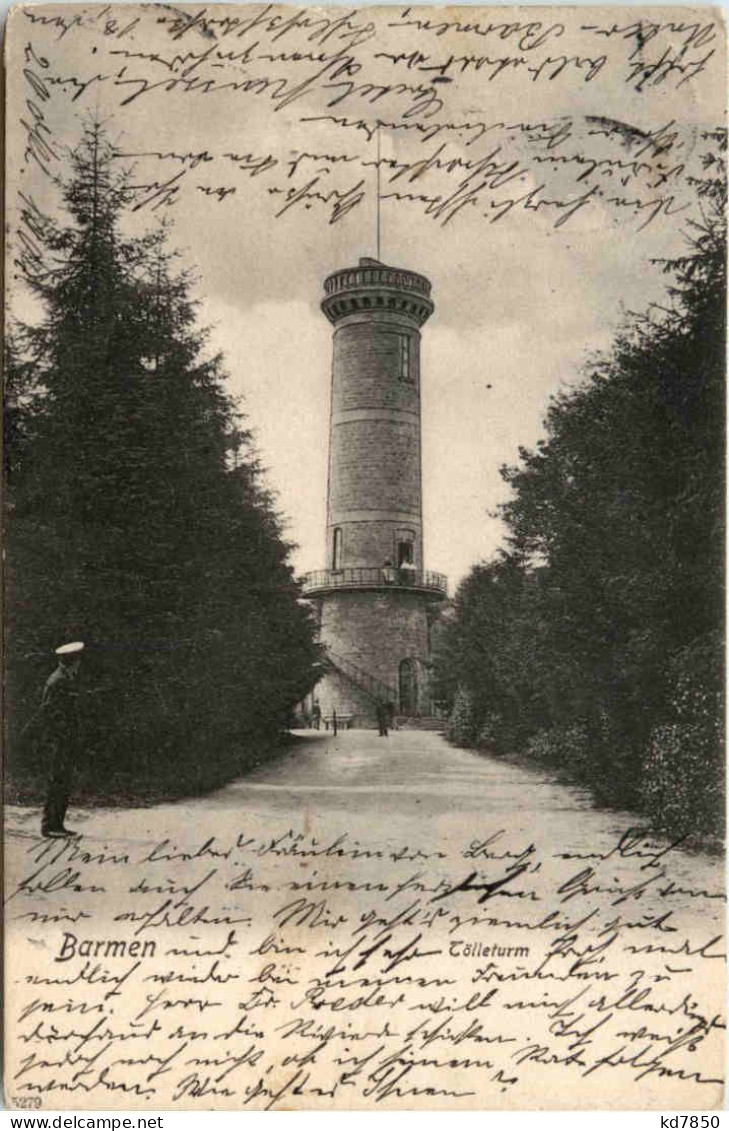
{"x": 613, "y": 572}
{"x": 139, "y": 522}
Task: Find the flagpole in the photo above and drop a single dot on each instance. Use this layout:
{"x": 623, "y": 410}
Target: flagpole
{"x": 378, "y": 190}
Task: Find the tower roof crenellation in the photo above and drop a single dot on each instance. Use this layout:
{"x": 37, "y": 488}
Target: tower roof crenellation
{"x": 373, "y": 285}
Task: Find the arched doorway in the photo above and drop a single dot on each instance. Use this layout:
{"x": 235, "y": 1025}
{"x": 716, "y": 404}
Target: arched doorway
{"x": 408, "y": 687}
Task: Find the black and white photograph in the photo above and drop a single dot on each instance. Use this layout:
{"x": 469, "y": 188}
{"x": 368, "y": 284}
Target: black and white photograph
{"x": 364, "y": 440}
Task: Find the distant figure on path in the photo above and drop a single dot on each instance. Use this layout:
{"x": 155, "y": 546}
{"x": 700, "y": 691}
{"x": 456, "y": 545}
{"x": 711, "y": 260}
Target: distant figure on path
{"x": 316, "y": 715}
{"x": 383, "y": 718}
{"x": 61, "y": 738}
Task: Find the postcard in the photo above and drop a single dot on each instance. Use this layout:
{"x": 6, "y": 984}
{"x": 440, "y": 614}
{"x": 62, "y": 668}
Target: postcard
{"x": 364, "y": 552}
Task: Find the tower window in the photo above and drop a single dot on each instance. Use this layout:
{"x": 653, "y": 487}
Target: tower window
{"x": 337, "y": 548}
{"x": 404, "y": 553}
{"x": 406, "y": 370}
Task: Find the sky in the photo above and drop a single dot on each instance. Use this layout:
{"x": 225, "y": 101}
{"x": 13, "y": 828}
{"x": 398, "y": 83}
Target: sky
{"x": 521, "y": 302}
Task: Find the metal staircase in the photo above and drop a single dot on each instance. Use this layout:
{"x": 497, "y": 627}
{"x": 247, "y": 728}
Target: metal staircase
{"x": 375, "y": 689}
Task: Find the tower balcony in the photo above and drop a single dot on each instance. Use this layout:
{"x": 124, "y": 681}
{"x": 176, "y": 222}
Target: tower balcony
{"x": 373, "y": 286}
{"x": 323, "y": 581}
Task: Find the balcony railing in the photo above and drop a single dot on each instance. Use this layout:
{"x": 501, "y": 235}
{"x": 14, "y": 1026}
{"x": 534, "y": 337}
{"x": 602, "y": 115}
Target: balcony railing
{"x": 374, "y": 577}
{"x": 379, "y": 276}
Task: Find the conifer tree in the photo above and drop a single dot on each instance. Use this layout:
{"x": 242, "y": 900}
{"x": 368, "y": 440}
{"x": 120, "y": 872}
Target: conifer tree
{"x": 612, "y": 639}
{"x": 139, "y": 522}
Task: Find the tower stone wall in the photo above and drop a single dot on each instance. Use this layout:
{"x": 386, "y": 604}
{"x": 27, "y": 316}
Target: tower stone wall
{"x": 376, "y": 630}
{"x": 374, "y": 440}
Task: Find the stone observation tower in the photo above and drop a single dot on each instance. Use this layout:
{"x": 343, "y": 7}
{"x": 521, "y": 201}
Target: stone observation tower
{"x": 376, "y": 600}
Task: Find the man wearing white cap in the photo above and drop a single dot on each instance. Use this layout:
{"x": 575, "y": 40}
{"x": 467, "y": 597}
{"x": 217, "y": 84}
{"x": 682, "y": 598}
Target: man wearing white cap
{"x": 59, "y": 710}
